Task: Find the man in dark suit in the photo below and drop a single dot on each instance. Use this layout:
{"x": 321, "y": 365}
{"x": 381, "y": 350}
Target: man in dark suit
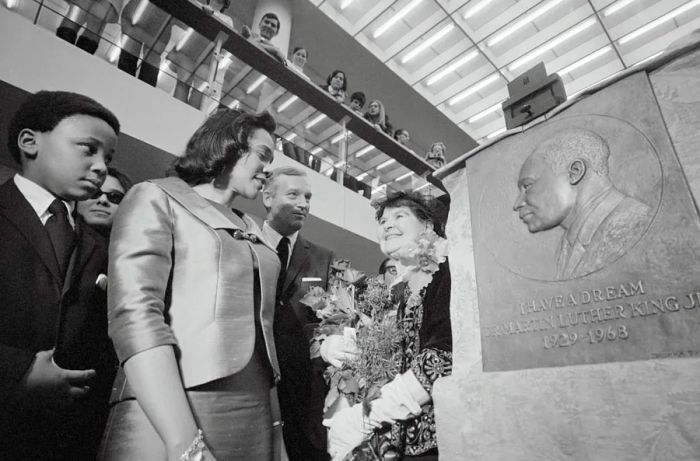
{"x": 56, "y": 360}
{"x": 287, "y": 197}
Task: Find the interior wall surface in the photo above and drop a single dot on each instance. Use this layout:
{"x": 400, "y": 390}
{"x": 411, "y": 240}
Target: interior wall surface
{"x": 155, "y": 127}
{"x": 645, "y": 409}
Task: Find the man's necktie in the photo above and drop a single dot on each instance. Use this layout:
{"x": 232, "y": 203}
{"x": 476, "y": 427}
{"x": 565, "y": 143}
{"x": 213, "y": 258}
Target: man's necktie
{"x": 61, "y": 234}
{"x": 283, "y": 253}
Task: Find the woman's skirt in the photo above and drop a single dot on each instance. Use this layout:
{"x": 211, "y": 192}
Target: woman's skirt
{"x": 233, "y": 413}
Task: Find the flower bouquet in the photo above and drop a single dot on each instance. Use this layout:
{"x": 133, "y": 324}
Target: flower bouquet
{"x": 358, "y": 308}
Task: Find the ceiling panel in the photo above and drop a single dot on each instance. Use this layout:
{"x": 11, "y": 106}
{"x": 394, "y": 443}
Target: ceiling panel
{"x": 460, "y": 54}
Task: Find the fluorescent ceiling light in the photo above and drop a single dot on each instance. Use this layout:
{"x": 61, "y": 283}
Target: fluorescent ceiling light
{"x": 385, "y": 164}
{"x": 363, "y": 151}
{"x": 395, "y": 18}
{"x": 556, "y": 41}
{"x": 585, "y": 60}
{"x": 617, "y": 7}
{"x": 484, "y": 113}
{"x": 525, "y": 20}
{"x": 225, "y": 62}
{"x": 657, "y": 22}
{"x": 290, "y": 136}
{"x": 256, "y": 84}
{"x": 344, "y": 4}
{"x": 404, "y": 176}
{"x": 362, "y": 176}
{"x": 13, "y": 3}
{"x": 315, "y": 150}
{"x": 427, "y": 43}
{"x": 235, "y": 104}
{"x": 422, "y": 187}
{"x": 139, "y": 11}
{"x": 496, "y": 133}
{"x": 337, "y": 138}
{"x": 183, "y": 40}
{"x": 338, "y": 163}
{"x": 116, "y": 48}
{"x": 476, "y": 8}
{"x": 287, "y": 103}
{"x": 315, "y": 121}
{"x": 452, "y": 67}
{"x": 474, "y": 88}
{"x": 648, "y": 58}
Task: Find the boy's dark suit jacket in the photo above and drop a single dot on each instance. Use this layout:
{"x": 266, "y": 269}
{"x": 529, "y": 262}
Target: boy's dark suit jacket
{"x": 302, "y": 390}
{"x": 32, "y": 294}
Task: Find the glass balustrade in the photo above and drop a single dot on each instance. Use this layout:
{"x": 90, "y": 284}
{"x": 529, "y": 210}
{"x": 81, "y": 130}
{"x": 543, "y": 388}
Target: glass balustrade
{"x": 177, "y": 47}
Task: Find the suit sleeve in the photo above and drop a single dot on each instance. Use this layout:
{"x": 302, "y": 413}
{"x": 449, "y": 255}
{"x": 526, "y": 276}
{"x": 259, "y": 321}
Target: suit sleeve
{"x": 140, "y": 261}
{"x": 14, "y": 363}
{"x": 434, "y": 358}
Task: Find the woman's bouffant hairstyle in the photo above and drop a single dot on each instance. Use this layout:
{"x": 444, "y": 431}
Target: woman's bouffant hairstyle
{"x": 333, "y": 74}
{"x": 426, "y": 209}
{"x": 218, "y": 144}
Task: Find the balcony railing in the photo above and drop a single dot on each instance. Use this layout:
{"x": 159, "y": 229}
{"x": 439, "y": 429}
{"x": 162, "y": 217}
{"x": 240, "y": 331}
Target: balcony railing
{"x": 179, "y": 47}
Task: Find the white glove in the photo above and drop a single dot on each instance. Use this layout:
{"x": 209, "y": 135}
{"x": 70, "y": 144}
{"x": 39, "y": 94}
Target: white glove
{"x": 400, "y": 399}
{"x": 338, "y": 349}
{"x": 349, "y": 428}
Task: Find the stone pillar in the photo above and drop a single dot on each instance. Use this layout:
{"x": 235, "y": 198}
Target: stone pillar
{"x": 526, "y": 383}
{"x": 283, "y": 10}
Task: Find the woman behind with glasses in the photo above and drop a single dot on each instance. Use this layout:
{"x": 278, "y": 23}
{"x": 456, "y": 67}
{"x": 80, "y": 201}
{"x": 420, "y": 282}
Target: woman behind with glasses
{"x": 191, "y": 299}
{"x": 99, "y": 210}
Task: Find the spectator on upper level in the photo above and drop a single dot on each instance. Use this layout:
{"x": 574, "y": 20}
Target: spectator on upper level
{"x": 357, "y": 101}
{"x": 298, "y": 60}
{"x": 336, "y": 85}
{"x": 377, "y": 116}
{"x": 94, "y": 14}
{"x": 402, "y": 136}
{"x": 185, "y": 56}
{"x": 141, "y": 25}
{"x": 436, "y": 155}
{"x": 268, "y": 27}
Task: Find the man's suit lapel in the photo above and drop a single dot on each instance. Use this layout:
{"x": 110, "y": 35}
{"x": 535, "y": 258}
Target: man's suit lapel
{"x": 300, "y": 256}
{"x": 17, "y": 209}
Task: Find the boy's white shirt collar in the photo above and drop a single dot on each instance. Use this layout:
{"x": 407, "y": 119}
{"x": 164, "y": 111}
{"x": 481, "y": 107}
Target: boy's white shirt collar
{"x": 40, "y": 199}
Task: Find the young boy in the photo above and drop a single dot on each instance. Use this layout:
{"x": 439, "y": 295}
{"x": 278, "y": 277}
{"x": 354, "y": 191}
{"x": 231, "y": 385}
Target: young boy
{"x": 53, "y": 403}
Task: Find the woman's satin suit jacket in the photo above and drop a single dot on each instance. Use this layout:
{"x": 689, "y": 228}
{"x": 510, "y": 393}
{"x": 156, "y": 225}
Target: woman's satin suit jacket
{"x": 181, "y": 273}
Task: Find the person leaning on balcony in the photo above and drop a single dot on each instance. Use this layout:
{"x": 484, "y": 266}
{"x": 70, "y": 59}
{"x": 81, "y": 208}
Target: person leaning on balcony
{"x": 377, "y": 116}
{"x": 337, "y": 85}
{"x": 191, "y": 305}
{"x": 268, "y": 28}
{"x": 357, "y": 101}
{"x": 94, "y": 14}
{"x": 436, "y": 154}
{"x": 141, "y": 22}
{"x": 298, "y": 60}
{"x": 184, "y": 56}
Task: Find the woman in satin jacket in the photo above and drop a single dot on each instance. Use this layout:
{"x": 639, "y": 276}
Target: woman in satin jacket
{"x": 191, "y": 298}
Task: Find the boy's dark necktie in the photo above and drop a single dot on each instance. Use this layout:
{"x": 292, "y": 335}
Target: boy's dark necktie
{"x": 283, "y": 253}
{"x": 61, "y": 234}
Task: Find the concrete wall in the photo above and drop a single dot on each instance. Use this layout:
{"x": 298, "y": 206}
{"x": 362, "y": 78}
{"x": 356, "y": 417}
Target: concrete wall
{"x": 639, "y": 410}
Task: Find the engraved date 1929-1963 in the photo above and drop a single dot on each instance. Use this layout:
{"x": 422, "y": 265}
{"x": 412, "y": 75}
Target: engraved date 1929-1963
{"x": 592, "y": 336}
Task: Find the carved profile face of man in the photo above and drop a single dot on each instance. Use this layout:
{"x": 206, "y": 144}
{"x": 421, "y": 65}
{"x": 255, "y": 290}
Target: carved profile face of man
{"x": 546, "y": 194}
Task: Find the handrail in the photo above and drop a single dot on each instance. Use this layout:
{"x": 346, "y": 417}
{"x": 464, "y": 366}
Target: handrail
{"x": 189, "y": 12}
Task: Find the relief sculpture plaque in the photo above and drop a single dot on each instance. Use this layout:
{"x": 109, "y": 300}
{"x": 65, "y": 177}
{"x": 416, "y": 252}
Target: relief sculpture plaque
{"x": 586, "y": 238}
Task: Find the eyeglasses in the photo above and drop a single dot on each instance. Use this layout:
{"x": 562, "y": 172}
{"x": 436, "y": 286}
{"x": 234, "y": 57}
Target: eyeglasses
{"x": 113, "y": 197}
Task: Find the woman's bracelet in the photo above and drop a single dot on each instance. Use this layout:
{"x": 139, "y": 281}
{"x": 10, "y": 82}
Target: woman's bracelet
{"x": 196, "y": 449}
